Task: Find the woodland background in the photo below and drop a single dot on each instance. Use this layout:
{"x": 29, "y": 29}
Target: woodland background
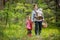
{"x": 13, "y": 15}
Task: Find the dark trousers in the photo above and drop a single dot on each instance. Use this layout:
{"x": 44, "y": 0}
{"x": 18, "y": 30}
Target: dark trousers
{"x": 29, "y": 31}
{"x": 38, "y": 27}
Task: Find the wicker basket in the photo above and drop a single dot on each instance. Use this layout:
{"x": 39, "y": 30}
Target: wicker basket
{"x": 44, "y": 24}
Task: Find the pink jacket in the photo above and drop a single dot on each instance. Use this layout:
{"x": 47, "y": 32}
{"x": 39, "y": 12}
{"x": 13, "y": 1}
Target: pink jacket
{"x": 29, "y": 24}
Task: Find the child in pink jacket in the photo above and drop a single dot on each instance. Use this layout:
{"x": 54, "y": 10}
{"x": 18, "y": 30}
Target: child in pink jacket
{"x": 29, "y": 25}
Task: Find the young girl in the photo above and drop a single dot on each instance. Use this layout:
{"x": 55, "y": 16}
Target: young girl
{"x": 29, "y": 25}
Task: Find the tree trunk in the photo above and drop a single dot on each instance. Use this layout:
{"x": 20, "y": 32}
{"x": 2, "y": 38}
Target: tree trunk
{"x": 1, "y": 4}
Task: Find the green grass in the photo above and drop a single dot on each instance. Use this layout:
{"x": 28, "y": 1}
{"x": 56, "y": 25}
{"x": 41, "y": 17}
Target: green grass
{"x": 17, "y": 32}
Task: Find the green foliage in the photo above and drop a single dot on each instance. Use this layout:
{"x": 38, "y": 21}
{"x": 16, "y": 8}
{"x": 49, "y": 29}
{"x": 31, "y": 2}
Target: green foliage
{"x": 12, "y": 22}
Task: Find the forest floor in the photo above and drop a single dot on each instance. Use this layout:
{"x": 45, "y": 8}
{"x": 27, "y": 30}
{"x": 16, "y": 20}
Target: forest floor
{"x": 49, "y": 33}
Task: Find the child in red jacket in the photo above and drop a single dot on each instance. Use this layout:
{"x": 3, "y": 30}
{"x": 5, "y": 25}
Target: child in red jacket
{"x": 29, "y": 25}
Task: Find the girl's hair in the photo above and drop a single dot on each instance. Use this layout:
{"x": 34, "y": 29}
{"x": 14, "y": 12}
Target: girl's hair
{"x": 27, "y": 14}
{"x": 28, "y": 17}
